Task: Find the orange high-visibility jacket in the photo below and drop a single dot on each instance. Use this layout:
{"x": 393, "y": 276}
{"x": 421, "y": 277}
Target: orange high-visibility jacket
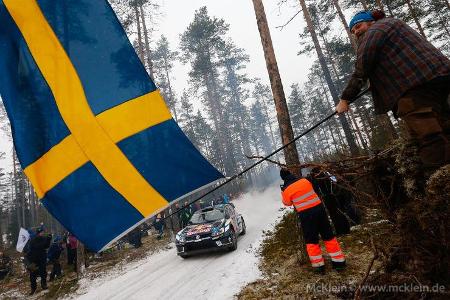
{"x": 300, "y": 194}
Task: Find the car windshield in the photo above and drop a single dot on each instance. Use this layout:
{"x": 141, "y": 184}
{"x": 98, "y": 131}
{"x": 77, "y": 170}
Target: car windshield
{"x": 201, "y": 217}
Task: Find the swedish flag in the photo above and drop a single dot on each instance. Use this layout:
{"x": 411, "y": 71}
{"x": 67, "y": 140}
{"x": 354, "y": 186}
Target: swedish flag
{"x": 90, "y": 128}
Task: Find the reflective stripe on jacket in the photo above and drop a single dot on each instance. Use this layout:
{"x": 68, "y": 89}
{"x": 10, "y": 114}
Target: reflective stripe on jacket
{"x": 300, "y": 194}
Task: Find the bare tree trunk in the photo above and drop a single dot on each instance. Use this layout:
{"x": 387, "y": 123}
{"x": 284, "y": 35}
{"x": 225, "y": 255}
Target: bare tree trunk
{"x": 389, "y": 127}
{"x": 391, "y": 13}
{"x": 266, "y": 112}
{"x": 364, "y": 4}
{"x": 444, "y": 25}
{"x": 335, "y": 142}
{"x": 348, "y": 134}
{"x": 416, "y": 19}
{"x": 344, "y": 23}
{"x": 284, "y": 121}
{"x": 358, "y": 131}
{"x": 1, "y": 227}
{"x": 15, "y": 198}
{"x": 32, "y": 203}
{"x": 380, "y": 5}
{"x": 138, "y": 25}
{"x": 80, "y": 260}
{"x": 22, "y": 197}
{"x": 171, "y": 95}
{"x": 218, "y": 121}
{"x": 147, "y": 43}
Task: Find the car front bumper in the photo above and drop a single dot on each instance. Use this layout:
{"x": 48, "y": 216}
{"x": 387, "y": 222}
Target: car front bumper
{"x": 204, "y": 245}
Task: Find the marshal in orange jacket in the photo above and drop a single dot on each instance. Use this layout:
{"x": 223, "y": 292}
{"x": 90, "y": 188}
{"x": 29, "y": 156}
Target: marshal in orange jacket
{"x": 300, "y": 194}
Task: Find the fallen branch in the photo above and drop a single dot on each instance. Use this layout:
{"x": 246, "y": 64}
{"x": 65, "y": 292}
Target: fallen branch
{"x": 363, "y": 282}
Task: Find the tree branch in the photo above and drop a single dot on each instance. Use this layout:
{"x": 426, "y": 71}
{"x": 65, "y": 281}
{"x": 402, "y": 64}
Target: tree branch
{"x": 293, "y": 17}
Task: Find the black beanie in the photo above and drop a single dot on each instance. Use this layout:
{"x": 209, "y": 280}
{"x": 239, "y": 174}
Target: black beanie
{"x": 284, "y": 173}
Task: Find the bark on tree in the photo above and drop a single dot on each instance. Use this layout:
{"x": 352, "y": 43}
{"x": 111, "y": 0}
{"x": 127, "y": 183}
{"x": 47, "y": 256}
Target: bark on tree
{"x": 391, "y": 13}
{"x": 139, "y": 40}
{"x": 415, "y": 18}
{"x": 347, "y": 130}
{"x": 284, "y": 121}
{"x": 15, "y": 189}
{"x": 358, "y": 131}
{"x": 364, "y": 4}
{"x": 344, "y": 23}
{"x": 389, "y": 127}
{"x": 147, "y": 43}
{"x": 380, "y": 5}
{"x": 172, "y": 98}
{"x": 80, "y": 260}
{"x": 266, "y": 112}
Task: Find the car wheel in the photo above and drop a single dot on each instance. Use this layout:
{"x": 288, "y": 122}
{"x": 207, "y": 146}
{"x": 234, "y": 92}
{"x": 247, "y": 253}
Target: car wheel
{"x": 233, "y": 240}
{"x": 183, "y": 255}
{"x": 244, "y": 227}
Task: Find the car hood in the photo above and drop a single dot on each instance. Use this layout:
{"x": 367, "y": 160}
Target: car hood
{"x": 201, "y": 228}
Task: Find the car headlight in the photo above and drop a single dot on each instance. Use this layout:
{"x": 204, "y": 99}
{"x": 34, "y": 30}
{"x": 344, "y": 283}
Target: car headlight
{"x": 217, "y": 231}
{"x": 180, "y": 238}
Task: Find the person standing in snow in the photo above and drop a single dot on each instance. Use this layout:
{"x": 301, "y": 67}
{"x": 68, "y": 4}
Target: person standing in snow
{"x": 159, "y": 226}
{"x": 53, "y": 255}
{"x": 225, "y": 199}
{"x": 186, "y": 214}
{"x": 37, "y": 258}
{"x": 314, "y": 221}
{"x": 5, "y": 265}
{"x": 407, "y": 76}
{"x": 72, "y": 245}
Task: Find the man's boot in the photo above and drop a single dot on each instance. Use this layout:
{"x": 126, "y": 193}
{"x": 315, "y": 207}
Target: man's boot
{"x": 434, "y": 153}
{"x": 319, "y": 270}
{"x": 338, "y": 266}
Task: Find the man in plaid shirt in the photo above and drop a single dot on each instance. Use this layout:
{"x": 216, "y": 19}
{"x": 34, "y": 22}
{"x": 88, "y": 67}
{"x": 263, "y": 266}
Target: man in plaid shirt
{"x": 408, "y": 76}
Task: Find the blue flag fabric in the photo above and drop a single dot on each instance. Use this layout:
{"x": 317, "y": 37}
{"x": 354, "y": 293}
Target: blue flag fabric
{"x": 90, "y": 128}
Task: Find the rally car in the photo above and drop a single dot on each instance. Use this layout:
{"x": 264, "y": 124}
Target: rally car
{"x": 211, "y": 228}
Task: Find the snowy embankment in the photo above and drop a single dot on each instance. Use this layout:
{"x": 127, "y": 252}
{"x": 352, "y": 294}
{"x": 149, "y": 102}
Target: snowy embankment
{"x": 219, "y": 275}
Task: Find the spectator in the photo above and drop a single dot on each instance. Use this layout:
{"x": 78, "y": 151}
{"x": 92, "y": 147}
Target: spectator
{"x": 175, "y": 218}
{"x": 324, "y": 185}
{"x": 226, "y": 199}
{"x": 408, "y": 76}
{"x": 159, "y": 226}
{"x": 37, "y": 259}
{"x": 5, "y": 265}
{"x": 186, "y": 214}
{"x": 71, "y": 245}
{"x": 53, "y": 255}
{"x": 135, "y": 237}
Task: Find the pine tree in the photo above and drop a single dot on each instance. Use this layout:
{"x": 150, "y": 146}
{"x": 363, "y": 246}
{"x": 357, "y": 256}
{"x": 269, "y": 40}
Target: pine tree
{"x": 262, "y": 94}
{"x": 187, "y": 117}
{"x": 233, "y": 60}
{"x": 258, "y": 132}
{"x": 164, "y": 59}
{"x": 201, "y": 45}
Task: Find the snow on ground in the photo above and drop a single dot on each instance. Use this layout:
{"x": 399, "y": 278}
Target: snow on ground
{"x": 219, "y": 275}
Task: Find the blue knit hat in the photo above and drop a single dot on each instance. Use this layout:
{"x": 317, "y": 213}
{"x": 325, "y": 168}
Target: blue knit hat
{"x": 362, "y": 16}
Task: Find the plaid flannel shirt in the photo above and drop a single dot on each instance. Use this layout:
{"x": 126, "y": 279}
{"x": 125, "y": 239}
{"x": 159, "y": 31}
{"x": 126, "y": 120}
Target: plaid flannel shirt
{"x": 395, "y": 58}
